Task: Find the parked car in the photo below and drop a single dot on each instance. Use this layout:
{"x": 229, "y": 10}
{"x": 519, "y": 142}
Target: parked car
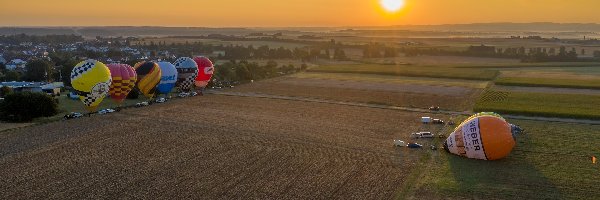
{"x": 434, "y": 108}
{"x": 193, "y": 94}
{"x": 422, "y": 135}
{"x": 73, "y": 115}
{"x": 426, "y": 120}
{"x": 414, "y": 145}
{"x": 141, "y": 104}
{"x": 106, "y": 111}
{"x": 161, "y": 100}
{"x": 399, "y": 143}
{"x": 437, "y": 121}
{"x": 183, "y": 94}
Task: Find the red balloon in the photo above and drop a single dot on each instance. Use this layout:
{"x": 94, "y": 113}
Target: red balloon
{"x": 205, "y": 71}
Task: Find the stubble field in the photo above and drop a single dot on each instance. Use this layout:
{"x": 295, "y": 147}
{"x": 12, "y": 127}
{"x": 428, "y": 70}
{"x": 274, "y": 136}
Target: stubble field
{"x": 213, "y": 146}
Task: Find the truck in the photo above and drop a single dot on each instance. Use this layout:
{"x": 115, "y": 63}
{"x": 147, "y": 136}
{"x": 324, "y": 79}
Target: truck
{"x": 422, "y": 135}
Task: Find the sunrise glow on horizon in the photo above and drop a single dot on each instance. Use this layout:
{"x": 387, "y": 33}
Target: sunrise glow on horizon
{"x": 291, "y": 13}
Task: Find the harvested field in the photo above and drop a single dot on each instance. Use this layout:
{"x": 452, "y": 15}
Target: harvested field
{"x": 407, "y": 95}
{"x": 413, "y": 71}
{"x": 213, "y": 146}
{"x": 6, "y": 125}
{"x": 373, "y": 78}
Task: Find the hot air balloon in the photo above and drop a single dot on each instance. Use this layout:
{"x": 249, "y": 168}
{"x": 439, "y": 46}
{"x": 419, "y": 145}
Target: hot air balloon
{"x": 123, "y": 81}
{"x": 187, "y": 71}
{"x": 91, "y": 79}
{"x": 148, "y": 77}
{"x": 205, "y": 71}
{"x": 168, "y": 78}
{"x": 484, "y": 136}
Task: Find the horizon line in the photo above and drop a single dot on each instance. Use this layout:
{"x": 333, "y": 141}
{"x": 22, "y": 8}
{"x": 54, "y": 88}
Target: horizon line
{"x": 342, "y": 26}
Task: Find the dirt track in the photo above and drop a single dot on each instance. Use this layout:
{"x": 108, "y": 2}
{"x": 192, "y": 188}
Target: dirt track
{"x": 210, "y": 147}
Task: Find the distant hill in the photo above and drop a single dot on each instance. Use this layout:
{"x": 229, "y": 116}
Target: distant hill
{"x": 122, "y": 31}
{"x": 195, "y": 31}
{"x": 522, "y": 27}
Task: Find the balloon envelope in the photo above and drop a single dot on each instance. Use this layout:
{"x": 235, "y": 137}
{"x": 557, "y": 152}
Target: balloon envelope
{"x": 148, "y": 77}
{"x": 168, "y": 78}
{"x": 187, "y": 71}
{"x": 123, "y": 81}
{"x": 484, "y": 136}
{"x": 92, "y": 81}
{"x": 205, "y": 71}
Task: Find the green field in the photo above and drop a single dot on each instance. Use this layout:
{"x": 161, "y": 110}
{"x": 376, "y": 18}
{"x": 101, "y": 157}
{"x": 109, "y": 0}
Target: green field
{"x": 550, "y": 161}
{"x": 414, "y": 71}
{"x": 548, "y": 82}
{"x": 540, "y": 104}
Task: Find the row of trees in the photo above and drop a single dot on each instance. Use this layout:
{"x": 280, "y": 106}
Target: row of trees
{"x": 526, "y": 55}
{"x": 25, "y": 106}
{"x": 36, "y": 39}
{"x": 244, "y": 71}
{"x": 252, "y": 52}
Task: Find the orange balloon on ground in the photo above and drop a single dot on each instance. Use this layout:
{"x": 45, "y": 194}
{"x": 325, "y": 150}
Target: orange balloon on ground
{"x": 484, "y": 136}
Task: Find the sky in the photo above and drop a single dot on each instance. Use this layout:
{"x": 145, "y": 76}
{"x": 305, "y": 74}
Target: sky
{"x": 289, "y": 13}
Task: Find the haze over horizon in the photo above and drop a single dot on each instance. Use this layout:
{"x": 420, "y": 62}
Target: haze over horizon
{"x": 291, "y": 13}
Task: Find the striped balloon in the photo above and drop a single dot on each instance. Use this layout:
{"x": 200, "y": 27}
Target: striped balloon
{"x": 149, "y": 75}
{"x": 123, "y": 81}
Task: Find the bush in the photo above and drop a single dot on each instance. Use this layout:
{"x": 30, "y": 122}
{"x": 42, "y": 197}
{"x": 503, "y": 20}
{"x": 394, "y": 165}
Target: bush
{"x": 25, "y": 106}
{"x": 4, "y": 90}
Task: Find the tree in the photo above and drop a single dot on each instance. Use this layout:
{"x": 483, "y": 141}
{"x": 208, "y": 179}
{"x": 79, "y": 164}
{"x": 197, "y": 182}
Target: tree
{"x": 339, "y": 54}
{"x": 65, "y": 71}
{"x": 39, "y": 70}
{"x": 12, "y": 76}
{"x": 25, "y": 106}
{"x": 5, "y": 90}
{"x": 303, "y": 66}
{"x": 242, "y": 72}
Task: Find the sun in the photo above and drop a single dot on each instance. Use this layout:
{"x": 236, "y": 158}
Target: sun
{"x": 392, "y": 5}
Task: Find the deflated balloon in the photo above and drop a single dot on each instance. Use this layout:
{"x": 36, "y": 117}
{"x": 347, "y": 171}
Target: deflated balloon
{"x": 187, "y": 71}
{"x": 123, "y": 81}
{"x": 148, "y": 77}
{"x": 205, "y": 71}
{"x": 485, "y": 136}
{"x": 168, "y": 78}
{"x": 91, "y": 79}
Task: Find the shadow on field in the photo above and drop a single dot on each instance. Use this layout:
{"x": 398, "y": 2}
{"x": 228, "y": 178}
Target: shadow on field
{"x": 513, "y": 177}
